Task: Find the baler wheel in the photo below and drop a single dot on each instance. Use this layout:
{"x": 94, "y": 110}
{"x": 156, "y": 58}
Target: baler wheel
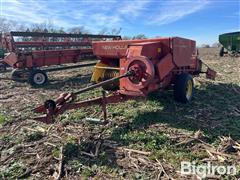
{"x": 38, "y": 78}
{"x": 183, "y": 88}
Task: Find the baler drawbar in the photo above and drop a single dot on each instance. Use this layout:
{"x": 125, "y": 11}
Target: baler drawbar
{"x": 65, "y": 101}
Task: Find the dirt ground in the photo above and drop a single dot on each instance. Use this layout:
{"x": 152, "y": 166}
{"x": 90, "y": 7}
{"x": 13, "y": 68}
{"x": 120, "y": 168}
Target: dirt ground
{"x": 144, "y": 139}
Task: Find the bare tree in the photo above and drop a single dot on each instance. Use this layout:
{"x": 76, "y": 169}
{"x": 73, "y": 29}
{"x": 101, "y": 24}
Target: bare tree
{"x": 116, "y": 31}
{"x": 126, "y": 37}
{"x": 104, "y": 31}
{"x": 6, "y": 25}
{"x": 205, "y": 46}
{"x": 139, "y": 36}
{"x": 216, "y": 44}
{"x": 78, "y": 30}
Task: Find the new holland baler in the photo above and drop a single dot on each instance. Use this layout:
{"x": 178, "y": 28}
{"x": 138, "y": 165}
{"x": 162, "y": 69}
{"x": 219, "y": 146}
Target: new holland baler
{"x": 133, "y": 68}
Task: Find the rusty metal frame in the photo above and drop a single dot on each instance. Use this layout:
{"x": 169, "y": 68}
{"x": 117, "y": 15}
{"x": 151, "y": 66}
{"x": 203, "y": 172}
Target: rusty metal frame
{"x": 66, "y": 101}
{"x": 50, "y": 46}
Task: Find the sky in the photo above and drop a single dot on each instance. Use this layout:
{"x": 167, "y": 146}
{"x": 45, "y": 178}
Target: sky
{"x": 201, "y": 20}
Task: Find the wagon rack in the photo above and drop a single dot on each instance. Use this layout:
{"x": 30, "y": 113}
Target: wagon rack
{"x": 129, "y": 69}
{"x": 31, "y": 54}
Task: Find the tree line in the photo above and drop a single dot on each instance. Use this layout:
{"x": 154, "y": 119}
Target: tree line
{"x": 48, "y": 26}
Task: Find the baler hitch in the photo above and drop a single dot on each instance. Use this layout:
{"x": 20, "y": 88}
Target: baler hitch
{"x": 65, "y": 101}
{"x": 210, "y": 73}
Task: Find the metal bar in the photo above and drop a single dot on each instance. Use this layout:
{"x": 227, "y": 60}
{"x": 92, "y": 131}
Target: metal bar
{"x": 115, "y": 98}
{"x": 104, "y": 105}
{"x": 41, "y": 34}
{"x": 129, "y": 73}
{"x": 62, "y": 51}
{"x": 44, "y": 43}
{"x": 109, "y": 68}
{"x": 68, "y": 67}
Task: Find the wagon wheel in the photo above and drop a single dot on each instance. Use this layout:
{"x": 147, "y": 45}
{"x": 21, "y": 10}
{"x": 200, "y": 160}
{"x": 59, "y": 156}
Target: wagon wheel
{"x": 221, "y": 52}
{"x": 19, "y": 75}
{"x": 37, "y": 78}
{"x": 2, "y": 67}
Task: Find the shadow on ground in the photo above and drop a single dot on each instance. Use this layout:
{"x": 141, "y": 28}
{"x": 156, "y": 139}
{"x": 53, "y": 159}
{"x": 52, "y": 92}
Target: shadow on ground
{"x": 215, "y": 110}
{"x": 77, "y": 81}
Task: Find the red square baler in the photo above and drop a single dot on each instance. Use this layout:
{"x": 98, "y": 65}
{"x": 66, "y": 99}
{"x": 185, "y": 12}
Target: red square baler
{"x": 132, "y": 68}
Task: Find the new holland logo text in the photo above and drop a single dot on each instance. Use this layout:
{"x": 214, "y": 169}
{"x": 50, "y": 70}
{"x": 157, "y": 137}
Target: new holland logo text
{"x": 114, "y": 47}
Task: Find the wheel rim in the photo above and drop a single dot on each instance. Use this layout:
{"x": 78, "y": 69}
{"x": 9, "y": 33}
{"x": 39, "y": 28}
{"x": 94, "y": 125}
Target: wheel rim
{"x": 189, "y": 89}
{"x": 39, "y": 78}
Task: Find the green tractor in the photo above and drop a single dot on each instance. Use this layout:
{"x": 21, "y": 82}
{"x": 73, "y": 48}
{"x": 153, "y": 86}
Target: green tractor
{"x": 230, "y": 43}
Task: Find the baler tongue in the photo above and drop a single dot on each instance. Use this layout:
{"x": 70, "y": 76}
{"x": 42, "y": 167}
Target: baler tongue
{"x": 211, "y": 74}
{"x": 53, "y": 108}
{"x": 64, "y": 102}
{"x": 45, "y": 119}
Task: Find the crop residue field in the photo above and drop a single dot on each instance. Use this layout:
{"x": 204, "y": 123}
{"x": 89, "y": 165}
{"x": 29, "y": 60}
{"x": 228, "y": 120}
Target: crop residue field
{"x": 144, "y": 139}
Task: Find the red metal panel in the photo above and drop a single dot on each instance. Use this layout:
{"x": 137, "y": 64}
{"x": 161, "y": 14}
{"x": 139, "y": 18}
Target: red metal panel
{"x": 165, "y": 66}
{"x": 11, "y": 59}
{"x": 117, "y": 49}
{"x": 68, "y": 48}
{"x": 152, "y": 50}
{"x": 46, "y": 44}
{"x": 51, "y": 57}
{"x": 183, "y": 51}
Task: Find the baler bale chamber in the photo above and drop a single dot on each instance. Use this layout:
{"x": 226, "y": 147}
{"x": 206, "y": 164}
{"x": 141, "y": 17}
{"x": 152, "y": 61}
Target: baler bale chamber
{"x": 133, "y": 68}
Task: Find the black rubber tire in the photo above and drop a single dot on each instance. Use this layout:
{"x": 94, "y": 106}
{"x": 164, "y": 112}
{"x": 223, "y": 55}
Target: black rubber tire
{"x": 50, "y": 104}
{"x": 221, "y": 52}
{"x": 3, "y": 67}
{"x": 17, "y": 75}
{"x": 180, "y": 88}
{"x": 39, "y": 81}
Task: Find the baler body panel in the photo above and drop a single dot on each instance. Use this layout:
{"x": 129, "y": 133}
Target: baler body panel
{"x": 165, "y": 66}
{"x": 162, "y": 58}
{"x": 183, "y": 51}
{"x": 117, "y": 49}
